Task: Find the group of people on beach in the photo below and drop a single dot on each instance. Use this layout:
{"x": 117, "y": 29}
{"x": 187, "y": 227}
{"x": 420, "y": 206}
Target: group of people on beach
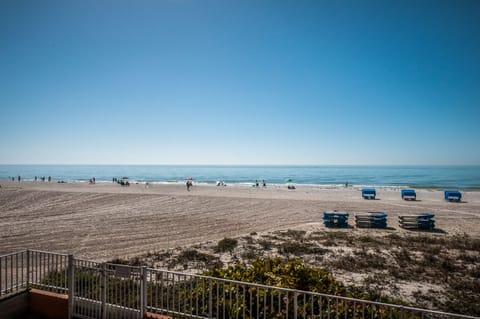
{"x": 19, "y": 178}
{"x": 189, "y": 184}
{"x": 123, "y": 181}
{"x": 264, "y": 184}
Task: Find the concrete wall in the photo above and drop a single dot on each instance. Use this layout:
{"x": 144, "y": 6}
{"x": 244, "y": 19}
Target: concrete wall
{"x": 14, "y": 307}
{"x": 48, "y": 304}
{"x": 43, "y": 304}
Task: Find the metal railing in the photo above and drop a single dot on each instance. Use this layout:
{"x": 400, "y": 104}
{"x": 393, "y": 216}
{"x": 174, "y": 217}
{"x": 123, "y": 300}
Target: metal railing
{"x": 47, "y": 271}
{"x": 103, "y": 290}
{"x": 13, "y": 273}
{"x": 33, "y": 269}
{"x": 195, "y": 296}
{"x": 111, "y": 291}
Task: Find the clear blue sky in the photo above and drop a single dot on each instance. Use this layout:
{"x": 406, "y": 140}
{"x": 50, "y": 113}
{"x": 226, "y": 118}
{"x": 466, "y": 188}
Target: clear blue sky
{"x": 244, "y": 82}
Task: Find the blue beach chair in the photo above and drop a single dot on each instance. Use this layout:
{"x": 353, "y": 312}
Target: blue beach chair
{"x": 409, "y": 194}
{"x": 369, "y": 193}
{"x": 453, "y": 196}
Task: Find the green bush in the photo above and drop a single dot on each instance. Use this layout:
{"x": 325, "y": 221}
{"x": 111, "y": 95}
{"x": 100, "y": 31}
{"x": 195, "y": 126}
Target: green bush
{"x": 226, "y": 244}
{"x": 279, "y": 272}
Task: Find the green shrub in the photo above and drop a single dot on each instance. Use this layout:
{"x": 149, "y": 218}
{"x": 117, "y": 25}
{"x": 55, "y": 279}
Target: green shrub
{"x": 226, "y": 244}
{"x": 282, "y": 273}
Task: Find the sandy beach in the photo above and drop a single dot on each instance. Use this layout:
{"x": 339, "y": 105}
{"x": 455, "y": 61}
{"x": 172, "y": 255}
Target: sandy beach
{"x": 105, "y": 220}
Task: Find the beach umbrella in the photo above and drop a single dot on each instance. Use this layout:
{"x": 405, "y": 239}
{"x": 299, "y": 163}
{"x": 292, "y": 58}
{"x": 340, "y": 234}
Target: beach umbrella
{"x": 289, "y": 184}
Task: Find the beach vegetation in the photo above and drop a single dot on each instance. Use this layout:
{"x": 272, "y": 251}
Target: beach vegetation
{"x": 292, "y": 233}
{"x": 266, "y": 244}
{"x": 248, "y": 239}
{"x": 249, "y": 254}
{"x": 295, "y": 274}
{"x": 300, "y": 248}
{"x": 226, "y": 245}
{"x": 135, "y": 261}
{"x": 446, "y": 266}
{"x": 196, "y": 258}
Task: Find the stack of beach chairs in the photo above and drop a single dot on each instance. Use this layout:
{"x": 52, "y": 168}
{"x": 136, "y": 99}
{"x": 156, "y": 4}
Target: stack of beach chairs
{"x": 335, "y": 219}
{"x": 422, "y": 221}
{"x": 371, "y": 220}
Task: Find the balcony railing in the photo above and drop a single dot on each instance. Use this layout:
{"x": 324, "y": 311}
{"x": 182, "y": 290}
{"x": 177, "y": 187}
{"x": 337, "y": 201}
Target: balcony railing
{"x": 108, "y": 291}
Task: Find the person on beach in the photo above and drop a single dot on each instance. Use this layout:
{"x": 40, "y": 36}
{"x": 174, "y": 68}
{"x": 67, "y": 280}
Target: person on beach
{"x": 189, "y": 184}
{"x": 49, "y": 178}
{"x": 35, "y": 178}
{"x": 19, "y": 178}
{"x": 256, "y": 183}
{"x": 264, "y": 184}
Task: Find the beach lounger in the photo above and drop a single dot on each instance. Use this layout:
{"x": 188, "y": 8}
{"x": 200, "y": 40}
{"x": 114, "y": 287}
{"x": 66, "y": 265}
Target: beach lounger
{"x": 369, "y": 193}
{"x": 409, "y": 194}
{"x": 420, "y": 221}
{"x": 335, "y": 219}
{"x": 453, "y": 196}
{"x": 371, "y": 220}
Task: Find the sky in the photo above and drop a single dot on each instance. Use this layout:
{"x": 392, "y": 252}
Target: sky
{"x": 240, "y": 82}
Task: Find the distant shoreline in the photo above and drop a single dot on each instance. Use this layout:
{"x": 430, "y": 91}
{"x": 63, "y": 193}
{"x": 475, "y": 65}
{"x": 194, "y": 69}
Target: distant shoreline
{"x": 251, "y": 184}
{"x": 419, "y": 177}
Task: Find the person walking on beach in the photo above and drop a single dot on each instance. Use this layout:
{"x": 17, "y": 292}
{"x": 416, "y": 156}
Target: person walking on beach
{"x": 49, "y": 178}
{"x": 189, "y": 184}
{"x": 264, "y": 184}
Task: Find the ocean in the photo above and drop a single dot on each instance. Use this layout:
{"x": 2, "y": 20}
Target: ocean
{"x": 463, "y": 177}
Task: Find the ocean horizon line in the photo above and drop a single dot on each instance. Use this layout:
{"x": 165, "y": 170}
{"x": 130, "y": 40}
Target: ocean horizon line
{"x": 249, "y": 165}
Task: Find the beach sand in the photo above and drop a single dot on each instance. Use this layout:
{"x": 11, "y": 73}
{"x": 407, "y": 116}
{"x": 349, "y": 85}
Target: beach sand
{"x": 105, "y": 220}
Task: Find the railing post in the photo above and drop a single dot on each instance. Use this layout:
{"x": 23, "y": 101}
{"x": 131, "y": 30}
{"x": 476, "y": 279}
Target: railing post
{"x": 71, "y": 285}
{"x": 295, "y": 305}
{"x": 1, "y": 287}
{"x": 210, "y": 298}
{"x": 104, "y": 290}
{"x": 28, "y": 269}
{"x": 143, "y": 292}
